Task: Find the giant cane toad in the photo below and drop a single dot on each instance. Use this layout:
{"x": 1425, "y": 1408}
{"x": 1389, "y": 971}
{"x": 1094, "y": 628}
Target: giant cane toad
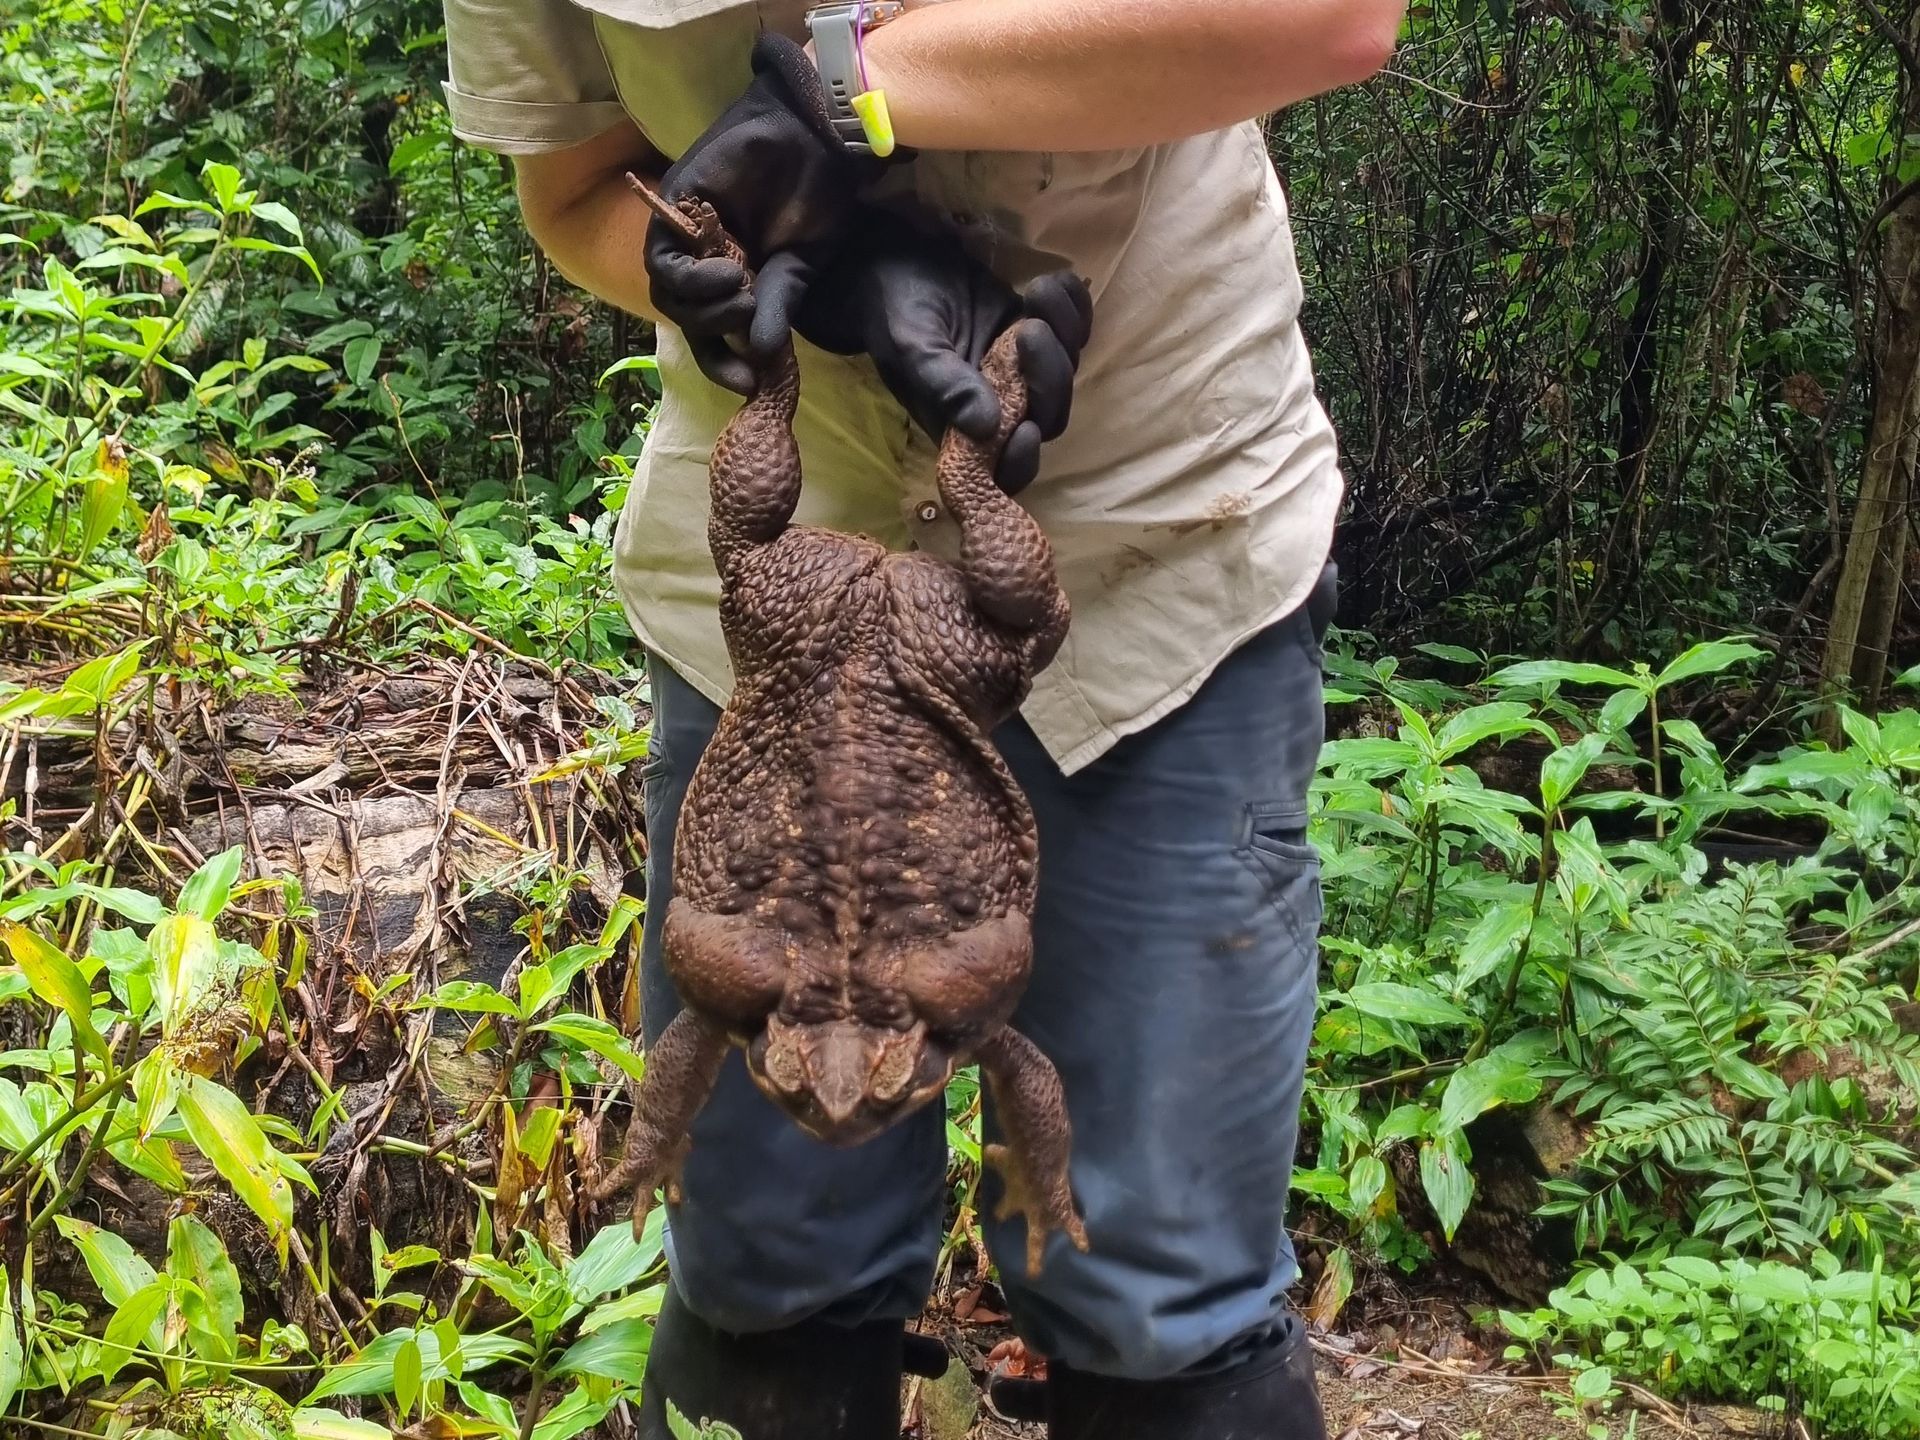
{"x": 854, "y": 865}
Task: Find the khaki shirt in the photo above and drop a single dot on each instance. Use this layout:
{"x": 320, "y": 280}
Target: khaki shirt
{"x": 1191, "y": 502}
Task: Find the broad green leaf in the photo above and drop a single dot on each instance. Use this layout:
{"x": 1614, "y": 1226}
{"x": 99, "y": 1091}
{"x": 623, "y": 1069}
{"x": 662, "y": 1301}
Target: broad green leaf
{"x": 16, "y": 364}
{"x": 152, "y": 1160}
{"x": 56, "y": 980}
{"x": 1695, "y": 1270}
{"x": 1595, "y": 1382}
{"x": 135, "y": 905}
{"x": 207, "y": 890}
{"x": 409, "y": 151}
{"x": 371, "y": 1371}
{"x": 1561, "y": 672}
{"x": 1407, "y": 1122}
{"x": 71, "y": 294}
{"x": 571, "y": 961}
{"x": 1562, "y": 771}
{"x": 388, "y": 1263}
{"x": 1454, "y": 654}
{"x": 538, "y": 1134}
{"x": 1777, "y": 1285}
{"x": 576, "y": 1411}
{"x": 1366, "y": 1183}
{"x": 104, "y": 498}
{"x": 1386, "y": 1000}
{"x": 1345, "y": 1031}
{"x": 12, "y": 1355}
{"x": 1805, "y": 769}
{"x": 191, "y": 964}
{"x": 1707, "y": 658}
{"x": 156, "y": 1085}
{"x": 112, "y": 1263}
{"x": 1491, "y": 943}
{"x": 104, "y": 676}
{"x": 1481, "y": 723}
{"x": 537, "y": 986}
{"x": 646, "y": 365}
{"x": 489, "y": 1407}
{"x": 1372, "y": 755}
{"x": 600, "y": 1038}
{"x": 406, "y": 1376}
{"x": 225, "y": 1131}
{"x": 1481, "y": 1085}
{"x": 1623, "y": 707}
{"x": 618, "y": 1351}
{"x": 224, "y": 181}
{"x": 359, "y": 358}
{"x": 138, "y": 1323}
{"x": 298, "y": 252}
{"x": 318, "y": 1423}
{"x": 614, "y": 1260}
{"x": 467, "y": 996}
{"x": 18, "y": 1124}
{"x": 275, "y": 213}
{"x": 1446, "y": 1178}
{"x": 644, "y": 1304}
{"x": 196, "y": 1254}
{"x": 129, "y": 231}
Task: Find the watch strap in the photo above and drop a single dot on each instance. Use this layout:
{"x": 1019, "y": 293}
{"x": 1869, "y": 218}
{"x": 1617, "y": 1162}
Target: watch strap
{"x": 836, "y": 30}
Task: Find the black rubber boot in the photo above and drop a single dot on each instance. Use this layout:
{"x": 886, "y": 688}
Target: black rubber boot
{"x": 1270, "y": 1395}
{"x": 814, "y": 1381}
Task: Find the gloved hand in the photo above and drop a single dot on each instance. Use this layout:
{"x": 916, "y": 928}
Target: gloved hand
{"x": 927, "y": 312}
{"x": 782, "y": 182}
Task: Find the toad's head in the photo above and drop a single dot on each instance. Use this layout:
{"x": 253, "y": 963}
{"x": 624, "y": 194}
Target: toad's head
{"x": 845, "y": 1079}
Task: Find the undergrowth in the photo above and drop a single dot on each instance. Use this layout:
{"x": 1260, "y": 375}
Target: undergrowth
{"x": 248, "y": 443}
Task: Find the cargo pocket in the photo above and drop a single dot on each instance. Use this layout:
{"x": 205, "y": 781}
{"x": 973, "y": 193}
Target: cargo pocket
{"x": 1274, "y": 846}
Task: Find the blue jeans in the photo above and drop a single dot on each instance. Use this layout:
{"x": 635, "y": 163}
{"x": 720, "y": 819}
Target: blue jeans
{"x": 1175, "y": 962}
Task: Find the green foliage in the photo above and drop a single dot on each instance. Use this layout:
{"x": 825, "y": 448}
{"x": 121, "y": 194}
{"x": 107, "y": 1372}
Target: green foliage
{"x": 1727, "y": 1040}
{"x": 1842, "y": 1341}
{"x": 1588, "y": 290}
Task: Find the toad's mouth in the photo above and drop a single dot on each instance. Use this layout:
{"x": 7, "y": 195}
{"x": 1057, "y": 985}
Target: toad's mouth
{"x": 844, "y": 1081}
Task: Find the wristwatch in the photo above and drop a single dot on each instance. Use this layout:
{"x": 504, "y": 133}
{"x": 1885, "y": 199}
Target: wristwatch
{"x": 859, "y": 114}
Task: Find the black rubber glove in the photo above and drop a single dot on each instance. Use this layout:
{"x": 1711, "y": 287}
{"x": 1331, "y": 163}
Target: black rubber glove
{"x": 782, "y": 182}
{"x": 927, "y": 312}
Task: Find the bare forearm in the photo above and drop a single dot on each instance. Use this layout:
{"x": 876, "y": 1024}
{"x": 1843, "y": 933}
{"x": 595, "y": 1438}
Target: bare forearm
{"x": 1109, "y": 74}
{"x": 593, "y": 228}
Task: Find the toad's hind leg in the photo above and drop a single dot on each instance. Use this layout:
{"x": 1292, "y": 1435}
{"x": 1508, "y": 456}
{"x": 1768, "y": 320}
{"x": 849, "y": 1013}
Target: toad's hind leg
{"x": 1033, "y": 1163}
{"x": 754, "y": 476}
{"x": 1004, "y": 556}
{"x": 682, "y": 1066}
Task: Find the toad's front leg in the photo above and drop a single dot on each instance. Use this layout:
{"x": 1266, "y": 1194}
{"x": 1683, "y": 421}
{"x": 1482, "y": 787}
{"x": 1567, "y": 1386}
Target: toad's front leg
{"x": 682, "y": 1067}
{"x": 1033, "y": 1162}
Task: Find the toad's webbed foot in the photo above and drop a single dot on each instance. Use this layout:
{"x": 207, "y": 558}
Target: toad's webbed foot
{"x": 681, "y": 1069}
{"x": 1033, "y": 1162}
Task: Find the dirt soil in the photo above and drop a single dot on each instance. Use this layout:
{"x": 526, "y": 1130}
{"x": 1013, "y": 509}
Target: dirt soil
{"x": 1394, "y": 1403}
{"x": 1428, "y": 1376}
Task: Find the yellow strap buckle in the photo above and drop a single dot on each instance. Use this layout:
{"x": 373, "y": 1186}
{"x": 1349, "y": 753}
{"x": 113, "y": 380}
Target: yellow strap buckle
{"x": 871, "y": 107}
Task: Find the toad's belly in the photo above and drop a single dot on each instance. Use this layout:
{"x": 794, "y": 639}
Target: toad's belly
{"x": 859, "y": 816}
